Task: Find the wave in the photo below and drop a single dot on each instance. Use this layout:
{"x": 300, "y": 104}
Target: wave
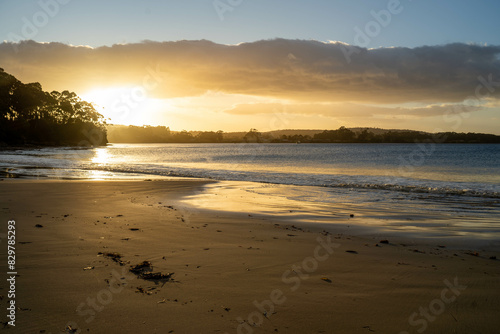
{"x": 359, "y": 182}
{"x": 354, "y": 182}
{"x": 296, "y": 167}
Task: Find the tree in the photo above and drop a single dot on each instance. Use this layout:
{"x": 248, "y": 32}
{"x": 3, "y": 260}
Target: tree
{"x": 183, "y": 137}
{"x": 209, "y": 137}
{"x": 29, "y": 115}
{"x": 341, "y": 135}
{"x": 253, "y": 136}
{"x": 365, "y": 136}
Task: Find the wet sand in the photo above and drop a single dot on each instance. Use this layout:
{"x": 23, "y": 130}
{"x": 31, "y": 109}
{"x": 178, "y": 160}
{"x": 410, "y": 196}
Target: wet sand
{"x": 231, "y": 273}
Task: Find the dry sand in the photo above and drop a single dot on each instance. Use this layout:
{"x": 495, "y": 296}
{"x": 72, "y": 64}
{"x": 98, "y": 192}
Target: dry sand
{"x": 232, "y": 273}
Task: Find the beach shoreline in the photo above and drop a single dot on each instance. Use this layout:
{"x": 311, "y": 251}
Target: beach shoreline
{"x": 233, "y": 273}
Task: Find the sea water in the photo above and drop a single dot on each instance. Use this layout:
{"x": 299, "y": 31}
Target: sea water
{"x": 454, "y": 188}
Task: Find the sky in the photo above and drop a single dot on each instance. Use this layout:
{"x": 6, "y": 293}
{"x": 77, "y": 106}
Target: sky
{"x": 233, "y": 65}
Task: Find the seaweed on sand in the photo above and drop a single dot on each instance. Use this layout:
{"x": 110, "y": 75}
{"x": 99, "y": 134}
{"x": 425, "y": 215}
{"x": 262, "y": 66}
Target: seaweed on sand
{"x": 144, "y": 270}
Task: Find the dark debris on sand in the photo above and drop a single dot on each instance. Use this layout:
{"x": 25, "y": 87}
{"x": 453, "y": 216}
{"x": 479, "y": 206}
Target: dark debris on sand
{"x": 156, "y": 276}
{"x": 144, "y": 270}
{"x": 113, "y": 256}
{"x": 144, "y": 266}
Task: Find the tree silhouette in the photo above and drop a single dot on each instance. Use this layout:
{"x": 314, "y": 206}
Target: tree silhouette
{"x": 253, "y": 136}
{"x": 28, "y": 115}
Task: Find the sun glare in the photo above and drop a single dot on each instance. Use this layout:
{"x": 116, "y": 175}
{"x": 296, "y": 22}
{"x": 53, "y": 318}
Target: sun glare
{"x": 121, "y": 105}
{"x": 101, "y": 156}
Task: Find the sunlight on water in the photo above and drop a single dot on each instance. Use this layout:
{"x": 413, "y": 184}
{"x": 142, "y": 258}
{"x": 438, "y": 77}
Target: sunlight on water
{"x": 453, "y": 191}
{"x": 98, "y": 175}
{"x": 371, "y": 210}
{"x": 101, "y": 156}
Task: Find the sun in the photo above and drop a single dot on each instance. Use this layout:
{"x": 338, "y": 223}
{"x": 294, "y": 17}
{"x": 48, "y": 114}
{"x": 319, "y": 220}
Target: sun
{"x": 120, "y": 105}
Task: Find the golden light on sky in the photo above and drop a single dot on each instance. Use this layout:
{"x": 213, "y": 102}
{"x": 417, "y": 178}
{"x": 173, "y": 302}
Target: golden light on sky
{"x": 127, "y": 105}
{"x": 187, "y": 65}
{"x": 272, "y": 84}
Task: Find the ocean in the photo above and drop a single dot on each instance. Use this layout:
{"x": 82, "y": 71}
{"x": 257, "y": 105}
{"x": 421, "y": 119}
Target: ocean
{"x": 435, "y": 189}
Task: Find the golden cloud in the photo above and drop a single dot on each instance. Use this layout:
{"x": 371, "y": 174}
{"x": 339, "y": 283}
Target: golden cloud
{"x": 304, "y": 71}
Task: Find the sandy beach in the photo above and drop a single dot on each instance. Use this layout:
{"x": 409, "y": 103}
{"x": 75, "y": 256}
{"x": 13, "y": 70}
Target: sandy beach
{"x": 221, "y": 272}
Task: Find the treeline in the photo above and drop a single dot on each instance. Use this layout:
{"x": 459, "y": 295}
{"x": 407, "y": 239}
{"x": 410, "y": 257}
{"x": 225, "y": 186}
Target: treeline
{"x": 31, "y": 116}
{"x": 344, "y": 135}
{"x": 162, "y": 134}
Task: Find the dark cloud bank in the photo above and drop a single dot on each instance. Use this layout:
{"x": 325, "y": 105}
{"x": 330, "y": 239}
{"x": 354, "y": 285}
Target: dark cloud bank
{"x": 301, "y": 70}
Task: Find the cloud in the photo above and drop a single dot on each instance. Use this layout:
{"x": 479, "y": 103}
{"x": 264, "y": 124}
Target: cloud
{"x": 304, "y": 71}
{"x": 350, "y": 110}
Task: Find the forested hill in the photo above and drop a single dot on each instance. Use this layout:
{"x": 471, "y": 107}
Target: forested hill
{"x": 30, "y": 116}
{"x": 163, "y": 134}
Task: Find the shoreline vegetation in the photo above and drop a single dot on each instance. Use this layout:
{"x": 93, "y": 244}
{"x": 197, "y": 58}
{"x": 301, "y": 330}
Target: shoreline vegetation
{"x": 163, "y": 134}
{"x": 31, "y": 117}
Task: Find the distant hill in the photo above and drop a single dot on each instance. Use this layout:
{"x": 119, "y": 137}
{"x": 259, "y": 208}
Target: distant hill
{"x": 378, "y": 131}
{"x": 305, "y": 132}
{"x": 291, "y": 132}
{"x": 162, "y": 134}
